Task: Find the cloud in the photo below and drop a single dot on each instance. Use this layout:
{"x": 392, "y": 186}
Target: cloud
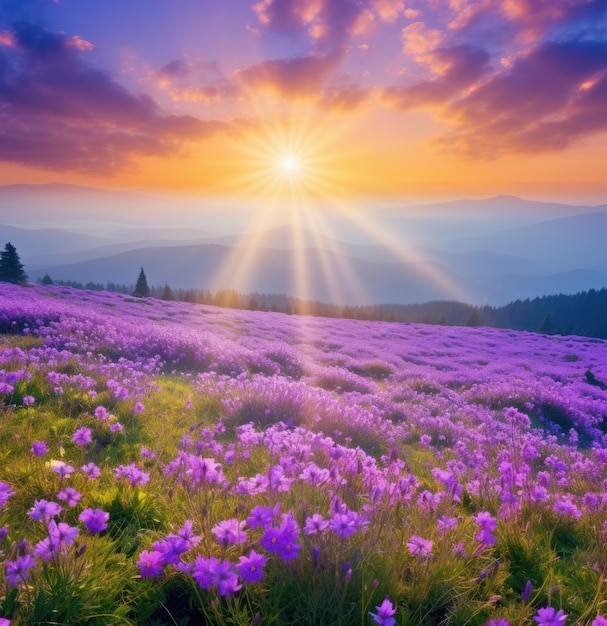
{"x": 388, "y": 10}
{"x": 60, "y": 113}
{"x": 174, "y": 69}
{"x": 462, "y": 66}
{"x": 508, "y": 76}
{"x": 418, "y": 41}
{"x": 344, "y": 96}
{"x": 328, "y": 24}
{"x": 301, "y": 78}
{"x": 548, "y": 99}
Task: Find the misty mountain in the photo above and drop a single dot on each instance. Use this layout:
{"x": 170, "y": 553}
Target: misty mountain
{"x": 213, "y": 266}
{"x": 329, "y": 276}
{"x": 450, "y": 250}
{"x": 577, "y": 241}
{"x": 31, "y": 242}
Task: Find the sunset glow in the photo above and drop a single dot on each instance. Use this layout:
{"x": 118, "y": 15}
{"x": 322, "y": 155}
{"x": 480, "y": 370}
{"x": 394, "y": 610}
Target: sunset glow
{"x": 321, "y": 118}
{"x": 426, "y": 103}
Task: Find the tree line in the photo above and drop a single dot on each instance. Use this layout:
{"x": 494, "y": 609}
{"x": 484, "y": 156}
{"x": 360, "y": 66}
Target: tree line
{"x": 584, "y": 313}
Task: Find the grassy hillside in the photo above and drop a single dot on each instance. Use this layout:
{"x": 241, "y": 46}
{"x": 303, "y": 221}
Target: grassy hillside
{"x": 171, "y": 463}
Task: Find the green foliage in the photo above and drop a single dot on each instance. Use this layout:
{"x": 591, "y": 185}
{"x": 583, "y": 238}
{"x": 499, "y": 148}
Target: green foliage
{"x": 142, "y": 290}
{"x": 11, "y": 268}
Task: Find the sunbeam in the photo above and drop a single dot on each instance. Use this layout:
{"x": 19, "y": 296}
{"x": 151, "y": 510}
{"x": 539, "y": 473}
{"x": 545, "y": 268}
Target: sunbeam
{"x": 296, "y": 172}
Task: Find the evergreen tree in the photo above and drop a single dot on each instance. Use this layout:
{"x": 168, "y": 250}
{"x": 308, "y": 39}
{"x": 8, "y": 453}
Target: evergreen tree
{"x": 547, "y": 325}
{"x": 473, "y": 319}
{"x": 11, "y": 268}
{"x": 46, "y": 280}
{"x": 141, "y": 288}
{"x": 167, "y": 293}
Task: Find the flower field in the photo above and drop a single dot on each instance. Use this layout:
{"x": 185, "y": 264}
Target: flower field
{"x": 168, "y": 463}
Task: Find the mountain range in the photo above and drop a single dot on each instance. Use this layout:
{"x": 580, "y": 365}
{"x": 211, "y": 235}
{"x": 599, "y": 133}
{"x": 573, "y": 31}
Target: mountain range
{"x": 499, "y": 250}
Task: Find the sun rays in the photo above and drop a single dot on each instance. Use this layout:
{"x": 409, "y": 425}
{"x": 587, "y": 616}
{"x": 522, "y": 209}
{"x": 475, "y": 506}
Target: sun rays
{"x": 294, "y": 168}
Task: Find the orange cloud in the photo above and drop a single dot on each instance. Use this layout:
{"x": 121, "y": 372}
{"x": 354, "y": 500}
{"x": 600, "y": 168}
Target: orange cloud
{"x": 388, "y": 10}
{"x": 292, "y": 79}
{"x": 418, "y": 41}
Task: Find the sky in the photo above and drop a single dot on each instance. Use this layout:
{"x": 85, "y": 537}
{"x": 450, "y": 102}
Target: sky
{"x": 350, "y": 99}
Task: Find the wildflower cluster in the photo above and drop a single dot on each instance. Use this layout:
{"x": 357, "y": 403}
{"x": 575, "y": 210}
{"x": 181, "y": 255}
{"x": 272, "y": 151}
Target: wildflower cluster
{"x": 240, "y": 462}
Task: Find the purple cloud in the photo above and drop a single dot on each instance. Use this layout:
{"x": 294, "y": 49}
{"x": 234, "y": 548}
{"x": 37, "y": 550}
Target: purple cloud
{"x": 462, "y": 66}
{"x": 298, "y": 78}
{"x": 550, "y": 98}
{"x": 328, "y": 23}
{"x": 60, "y": 113}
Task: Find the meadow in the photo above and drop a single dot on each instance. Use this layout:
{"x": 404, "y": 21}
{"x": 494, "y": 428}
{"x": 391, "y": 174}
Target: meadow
{"x": 172, "y": 463}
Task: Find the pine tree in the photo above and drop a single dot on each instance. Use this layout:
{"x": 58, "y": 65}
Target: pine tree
{"x": 141, "y": 288}
{"x": 167, "y": 293}
{"x": 11, "y": 268}
{"x": 547, "y": 325}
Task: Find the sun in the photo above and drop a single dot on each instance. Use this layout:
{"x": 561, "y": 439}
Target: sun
{"x": 290, "y": 165}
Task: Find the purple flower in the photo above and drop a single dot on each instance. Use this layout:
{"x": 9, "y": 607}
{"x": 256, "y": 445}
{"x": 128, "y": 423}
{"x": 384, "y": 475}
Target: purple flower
{"x": 61, "y": 468}
{"x": 261, "y": 517}
{"x": 251, "y": 567}
{"x": 5, "y": 622}
{"x": 384, "y": 614}
{"x": 203, "y": 571}
{"x": 94, "y": 519}
{"x": 101, "y": 413}
{"x": 138, "y": 408}
{"x": 91, "y": 471}
{"x": 59, "y": 536}
{"x": 5, "y": 493}
{"x": 150, "y": 563}
{"x": 277, "y": 541}
{"x": 225, "y": 578}
{"x": 485, "y": 520}
{"x": 116, "y": 427}
{"x": 28, "y": 400}
{"x": 315, "y": 524}
{"x": 599, "y": 620}
{"x": 70, "y": 496}
{"x": 564, "y": 506}
{"x": 187, "y": 534}
{"x": 62, "y": 533}
{"x": 18, "y": 571}
{"x": 147, "y": 454}
{"x": 500, "y": 622}
{"x": 82, "y": 437}
{"x": 132, "y": 473}
{"x": 343, "y": 525}
{"x": 39, "y": 448}
{"x": 446, "y": 524}
{"x": 548, "y": 616}
{"x": 230, "y": 531}
{"x": 487, "y": 524}
{"x": 46, "y": 549}
{"x": 418, "y": 546}
{"x": 42, "y": 511}
{"x": 527, "y": 591}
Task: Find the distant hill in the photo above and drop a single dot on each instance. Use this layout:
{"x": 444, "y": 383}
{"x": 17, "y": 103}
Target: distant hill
{"x": 578, "y": 241}
{"x": 325, "y": 275}
{"x": 451, "y": 250}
